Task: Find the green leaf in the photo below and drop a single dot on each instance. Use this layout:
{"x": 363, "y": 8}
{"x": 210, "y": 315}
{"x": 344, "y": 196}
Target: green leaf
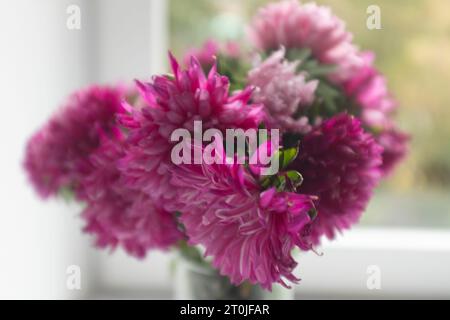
{"x": 66, "y": 193}
{"x": 313, "y": 67}
{"x": 312, "y": 213}
{"x": 321, "y": 70}
{"x": 298, "y": 54}
{"x": 287, "y": 156}
{"x": 190, "y": 253}
{"x": 234, "y": 69}
{"x": 325, "y": 89}
{"x": 295, "y": 178}
{"x": 280, "y": 183}
{"x": 266, "y": 182}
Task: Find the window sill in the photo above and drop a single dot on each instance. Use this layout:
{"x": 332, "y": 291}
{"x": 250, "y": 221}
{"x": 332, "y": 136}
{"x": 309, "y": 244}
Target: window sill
{"x": 413, "y": 263}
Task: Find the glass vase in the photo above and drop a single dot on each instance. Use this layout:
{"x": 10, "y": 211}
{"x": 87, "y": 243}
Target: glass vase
{"x": 199, "y": 281}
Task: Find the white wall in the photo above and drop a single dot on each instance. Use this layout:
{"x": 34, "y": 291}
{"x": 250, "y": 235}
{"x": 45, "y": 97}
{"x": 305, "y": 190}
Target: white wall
{"x": 131, "y": 39}
{"x": 41, "y": 61}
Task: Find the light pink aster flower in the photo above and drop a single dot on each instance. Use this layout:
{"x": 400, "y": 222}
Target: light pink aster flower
{"x": 56, "y": 156}
{"x": 118, "y": 216}
{"x": 283, "y": 92}
{"x": 249, "y": 233}
{"x": 294, "y": 25}
{"x": 340, "y": 164}
{"x": 176, "y": 102}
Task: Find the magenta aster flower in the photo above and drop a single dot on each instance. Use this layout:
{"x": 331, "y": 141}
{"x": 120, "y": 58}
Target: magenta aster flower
{"x": 118, "y": 216}
{"x": 369, "y": 89}
{"x": 294, "y": 25}
{"x": 176, "y": 103}
{"x": 249, "y": 233}
{"x": 340, "y": 164}
{"x": 395, "y": 148}
{"x": 282, "y": 92}
{"x": 134, "y": 223}
{"x": 56, "y": 156}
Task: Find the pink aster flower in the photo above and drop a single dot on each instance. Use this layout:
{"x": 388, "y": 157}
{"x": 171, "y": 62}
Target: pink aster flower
{"x": 118, "y": 216}
{"x": 134, "y": 223}
{"x": 283, "y": 92}
{"x": 176, "y": 102}
{"x": 369, "y": 89}
{"x": 249, "y": 233}
{"x": 56, "y": 156}
{"x": 232, "y": 49}
{"x": 340, "y": 164}
{"x": 294, "y": 25}
{"x": 207, "y": 54}
{"x": 395, "y": 147}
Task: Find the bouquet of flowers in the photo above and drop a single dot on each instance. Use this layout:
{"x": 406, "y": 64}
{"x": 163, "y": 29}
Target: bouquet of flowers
{"x": 245, "y": 152}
